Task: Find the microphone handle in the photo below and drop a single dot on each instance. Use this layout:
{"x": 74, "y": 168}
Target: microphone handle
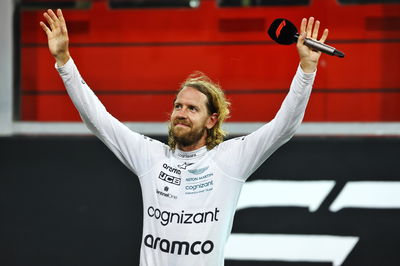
{"x": 313, "y": 44}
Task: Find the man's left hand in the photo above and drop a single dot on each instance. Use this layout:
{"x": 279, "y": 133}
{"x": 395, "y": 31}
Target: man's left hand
{"x": 309, "y": 57}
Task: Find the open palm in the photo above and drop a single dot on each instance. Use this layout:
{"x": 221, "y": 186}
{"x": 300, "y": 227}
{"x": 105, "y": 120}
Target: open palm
{"x": 57, "y": 35}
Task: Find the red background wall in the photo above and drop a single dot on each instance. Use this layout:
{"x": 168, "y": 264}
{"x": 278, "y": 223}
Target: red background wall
{"x": 135, "y": 59}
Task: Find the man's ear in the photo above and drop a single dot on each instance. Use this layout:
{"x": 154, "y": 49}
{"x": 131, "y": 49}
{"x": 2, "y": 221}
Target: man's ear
{"x": 212, "y": 120}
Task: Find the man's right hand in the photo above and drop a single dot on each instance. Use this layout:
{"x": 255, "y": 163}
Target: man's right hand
{"x": 57, "y": 35}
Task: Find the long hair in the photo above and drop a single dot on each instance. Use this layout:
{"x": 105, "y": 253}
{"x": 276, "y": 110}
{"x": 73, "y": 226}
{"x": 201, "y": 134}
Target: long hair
{"x": 216, "y": 103}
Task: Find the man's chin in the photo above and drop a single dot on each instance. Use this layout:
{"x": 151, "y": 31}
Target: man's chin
{"x": 183, "y": 137}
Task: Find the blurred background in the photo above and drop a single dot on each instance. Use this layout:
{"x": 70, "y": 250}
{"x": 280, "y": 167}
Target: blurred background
{"x": 331, "y": 196}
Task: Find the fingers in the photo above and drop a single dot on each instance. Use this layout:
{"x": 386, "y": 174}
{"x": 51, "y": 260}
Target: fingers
{"x": 315, "y": 30}
{"x": 49, "y": 20}
{"x": 324, "y": 36}
{"x": 53, "y": 16}
{"x": 62, "y": 21}
{"x": 312, "y": 29}
{"x": 44, "y": 27}
{"x": 301, "y": 38}
{"x": 309, "y": 27}
{"x": 53, "y": 20}
{"x": 61, "y": 17}
{"x": 303, "y": 25}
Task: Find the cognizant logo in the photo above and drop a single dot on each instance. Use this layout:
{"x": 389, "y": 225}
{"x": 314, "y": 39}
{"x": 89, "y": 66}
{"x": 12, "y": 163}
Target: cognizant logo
{"x": 178, "y": 247}
{"x": 199, "y": 186}
{"x": 167, "y": 217}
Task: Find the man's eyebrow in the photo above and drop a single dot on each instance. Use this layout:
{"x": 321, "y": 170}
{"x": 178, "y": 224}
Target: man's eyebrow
{"x": 194, "y": 105}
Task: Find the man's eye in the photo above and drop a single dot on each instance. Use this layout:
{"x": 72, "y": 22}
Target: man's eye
{"x": 178, "y": 106}
{"x": 192, "y": 108}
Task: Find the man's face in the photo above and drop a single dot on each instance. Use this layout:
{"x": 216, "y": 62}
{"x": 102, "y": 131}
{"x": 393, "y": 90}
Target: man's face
{"x": 190, "y": 118}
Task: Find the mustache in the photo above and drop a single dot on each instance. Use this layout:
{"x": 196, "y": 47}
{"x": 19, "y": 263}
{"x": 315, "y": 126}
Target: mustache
{"x": 182, "y": 121}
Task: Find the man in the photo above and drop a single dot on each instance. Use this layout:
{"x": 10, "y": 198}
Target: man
{"x": 191, "y": 187}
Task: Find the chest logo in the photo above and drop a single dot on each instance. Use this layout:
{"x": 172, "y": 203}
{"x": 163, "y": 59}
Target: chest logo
{"x": 198, "y": 171}
{"x": 184, "y": 165}
{"x": 169, "y": 178}
{"x": 171, "y": 169}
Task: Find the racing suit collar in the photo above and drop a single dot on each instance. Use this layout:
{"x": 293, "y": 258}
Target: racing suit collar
{"x": 188, "y": 155}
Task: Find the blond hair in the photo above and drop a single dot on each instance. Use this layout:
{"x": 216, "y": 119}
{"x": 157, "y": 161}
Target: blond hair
{"x": 216, "y": 103}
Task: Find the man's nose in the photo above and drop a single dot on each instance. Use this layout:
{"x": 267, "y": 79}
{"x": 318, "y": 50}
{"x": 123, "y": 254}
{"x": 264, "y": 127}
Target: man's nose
{"x": 182, "y": 112}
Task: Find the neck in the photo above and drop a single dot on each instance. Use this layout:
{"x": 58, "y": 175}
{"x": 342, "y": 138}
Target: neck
{"x": 192, "y": 147}
{"x": 200, "y": 143}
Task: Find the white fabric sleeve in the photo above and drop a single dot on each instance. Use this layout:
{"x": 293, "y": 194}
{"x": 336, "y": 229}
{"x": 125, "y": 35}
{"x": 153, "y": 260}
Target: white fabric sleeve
{"x": 134, "y": 150}
{"x": 240, "y": 157}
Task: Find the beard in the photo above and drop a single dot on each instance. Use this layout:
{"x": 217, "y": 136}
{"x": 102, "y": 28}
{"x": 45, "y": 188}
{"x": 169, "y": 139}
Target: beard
{"x": 185, "y": 136}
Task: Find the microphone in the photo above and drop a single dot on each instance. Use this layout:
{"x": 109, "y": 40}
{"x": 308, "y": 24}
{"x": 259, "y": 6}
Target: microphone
{"x": 284, "y": 32}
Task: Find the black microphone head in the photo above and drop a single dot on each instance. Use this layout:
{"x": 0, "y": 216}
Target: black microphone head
{"x": 282, "y": 31}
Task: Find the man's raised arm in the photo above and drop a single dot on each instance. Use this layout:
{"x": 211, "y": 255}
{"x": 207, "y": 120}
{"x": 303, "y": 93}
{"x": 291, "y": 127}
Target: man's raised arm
{"x": 130, "y": 147}
{"x": 255, "y": 148}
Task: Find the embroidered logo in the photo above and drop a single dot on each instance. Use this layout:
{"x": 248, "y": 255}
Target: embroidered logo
{"x": 198, "y": 171}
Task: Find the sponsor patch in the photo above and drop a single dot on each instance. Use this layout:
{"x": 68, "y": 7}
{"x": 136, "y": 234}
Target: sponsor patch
{"x": 198, "y": 171}
{"x": 169, "y": 178}
{"x": 178, "y": 247}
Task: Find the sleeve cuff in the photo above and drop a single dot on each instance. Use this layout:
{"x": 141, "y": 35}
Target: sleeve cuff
{"x": 64, "y": 69}
{"x": 306, "y": 75}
